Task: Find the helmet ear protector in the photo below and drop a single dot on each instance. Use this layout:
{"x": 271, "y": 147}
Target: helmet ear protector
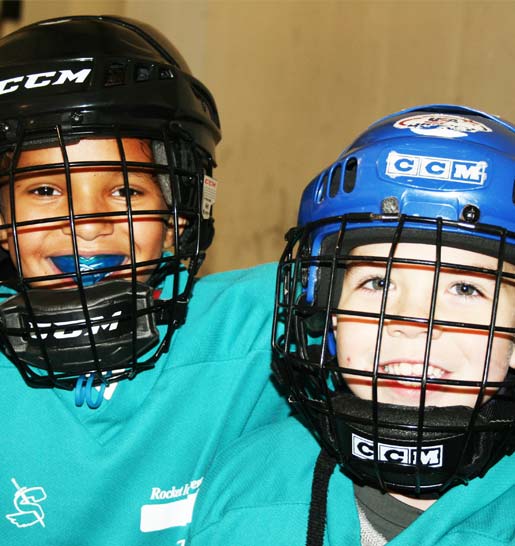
{"x": 114, "y": 79}
{"x": 436, "y": 175}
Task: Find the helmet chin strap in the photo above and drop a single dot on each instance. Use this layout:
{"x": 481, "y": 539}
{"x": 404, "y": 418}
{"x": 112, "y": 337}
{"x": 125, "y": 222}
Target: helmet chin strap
{"x": 420, "y": 453}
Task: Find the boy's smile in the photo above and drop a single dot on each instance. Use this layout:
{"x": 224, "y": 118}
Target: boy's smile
{"x": 457, "y": 351}
{"x": 103, "y": 241}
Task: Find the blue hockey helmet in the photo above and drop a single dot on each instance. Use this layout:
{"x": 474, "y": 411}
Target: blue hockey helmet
{"x": 436, "y": 161}
{"x": 442, "y": 175}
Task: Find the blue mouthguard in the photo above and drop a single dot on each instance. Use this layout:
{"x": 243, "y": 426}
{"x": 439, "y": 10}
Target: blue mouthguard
{"x": 66, "y": 264}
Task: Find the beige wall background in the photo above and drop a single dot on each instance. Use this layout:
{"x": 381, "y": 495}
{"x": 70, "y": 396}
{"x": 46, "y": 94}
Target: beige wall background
{"x": 295, "y": 80}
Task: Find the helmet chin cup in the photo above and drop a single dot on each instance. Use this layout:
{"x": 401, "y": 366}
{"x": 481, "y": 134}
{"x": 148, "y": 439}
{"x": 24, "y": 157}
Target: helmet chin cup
{"x": 387, "y": 451}
{"x": 50, "y": 331}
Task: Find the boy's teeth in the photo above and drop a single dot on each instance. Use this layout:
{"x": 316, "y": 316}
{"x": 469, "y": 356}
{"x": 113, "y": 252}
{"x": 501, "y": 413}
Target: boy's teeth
{"x": 414, "y": 370}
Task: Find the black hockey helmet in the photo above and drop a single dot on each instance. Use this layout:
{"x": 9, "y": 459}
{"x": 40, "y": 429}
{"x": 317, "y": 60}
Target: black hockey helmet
{"x": 101, "y": 77}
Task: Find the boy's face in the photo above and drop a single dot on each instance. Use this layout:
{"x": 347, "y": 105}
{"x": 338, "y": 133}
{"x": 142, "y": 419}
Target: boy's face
{"x": 100, "y": 189}
{"x": 456, "y": 352}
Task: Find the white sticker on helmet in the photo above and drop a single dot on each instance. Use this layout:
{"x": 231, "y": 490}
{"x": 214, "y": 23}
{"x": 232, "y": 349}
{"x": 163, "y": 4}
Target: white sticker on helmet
{"x": 208, "y": 195}
{"x": 441, "y": 125}
{"x": 43, "y": 79}
{"x": 438, "y": 168}
{"x": 363, "y": 448}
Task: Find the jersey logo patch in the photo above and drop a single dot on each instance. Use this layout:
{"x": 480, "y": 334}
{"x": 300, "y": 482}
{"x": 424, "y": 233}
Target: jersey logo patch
{"x": 177, "y": 512}
{"x": 27, "y": 503}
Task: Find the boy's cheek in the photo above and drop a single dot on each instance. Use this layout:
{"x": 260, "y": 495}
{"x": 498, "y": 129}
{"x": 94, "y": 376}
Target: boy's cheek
{"x": 169, "y": 238}
{"x": 512, "y": 355}
{"x": 4, "y": 242}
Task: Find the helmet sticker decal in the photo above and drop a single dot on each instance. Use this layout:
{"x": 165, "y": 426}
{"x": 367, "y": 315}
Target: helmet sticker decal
{"x": 431, "y": 456}
{"x": 438, "y": 168}
{"x": 441, "y": 125}
{"x": 208, "y": 195}
{"x": 43, "y": 79}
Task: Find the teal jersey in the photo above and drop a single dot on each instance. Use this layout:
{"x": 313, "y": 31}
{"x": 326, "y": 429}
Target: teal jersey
{"x": 258, "y": 493}
{"x": 128, "y": 473}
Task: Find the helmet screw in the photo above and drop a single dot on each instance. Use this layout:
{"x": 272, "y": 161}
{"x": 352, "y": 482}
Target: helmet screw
{"x": 76, "y": 117}
{"x": 390, "y": 205}
{"x": 304, "y": 277}
{"x": 470, "y": 214}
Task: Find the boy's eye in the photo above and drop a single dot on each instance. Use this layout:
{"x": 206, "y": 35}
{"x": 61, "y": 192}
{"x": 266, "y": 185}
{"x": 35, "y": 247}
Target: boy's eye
{"x": 465, "y": 289}
{"x": 126, "y": 192}
{"x": 45, "y": 191}
{"x": 376, "y": 283}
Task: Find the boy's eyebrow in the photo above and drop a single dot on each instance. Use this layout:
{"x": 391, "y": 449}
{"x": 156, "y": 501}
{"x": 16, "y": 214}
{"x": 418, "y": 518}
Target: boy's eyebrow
{"x": 365, "y": 261}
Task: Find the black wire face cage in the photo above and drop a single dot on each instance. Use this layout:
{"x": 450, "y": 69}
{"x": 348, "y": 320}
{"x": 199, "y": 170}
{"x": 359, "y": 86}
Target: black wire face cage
{"x": 94, "y": 311}
{"x": 406, "y": 400}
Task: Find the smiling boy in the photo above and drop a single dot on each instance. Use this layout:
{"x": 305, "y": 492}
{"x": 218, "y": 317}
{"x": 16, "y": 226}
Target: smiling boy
{"x": 394, "y": 336}
{"x": 122, "y": 373}
{"x": 456, "y": 353}
{"x": 43, "y": 194}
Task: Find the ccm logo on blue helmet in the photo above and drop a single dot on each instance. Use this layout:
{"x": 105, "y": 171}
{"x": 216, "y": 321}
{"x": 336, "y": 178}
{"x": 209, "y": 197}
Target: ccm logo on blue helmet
{"x": 43, "y": 79}
{"x": 439, "y": 168}
{"x": 362, "y": 448}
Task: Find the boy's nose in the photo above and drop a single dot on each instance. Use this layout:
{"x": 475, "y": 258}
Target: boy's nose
{"x": 93, "y": 226}
{"x": 413, "y": 311}
{"x": 411, "y": 329}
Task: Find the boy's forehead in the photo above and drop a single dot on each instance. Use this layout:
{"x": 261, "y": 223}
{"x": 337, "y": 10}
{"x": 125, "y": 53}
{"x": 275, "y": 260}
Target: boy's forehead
{"x": 424, "y": 251}
{"x": 88, "y": 149}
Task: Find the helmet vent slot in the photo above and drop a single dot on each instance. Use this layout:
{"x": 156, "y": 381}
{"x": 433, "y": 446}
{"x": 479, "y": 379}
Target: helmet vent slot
{"x": 207, "y": 103}
{"x": 165, "y": 73}
{"x": 115, "y": 75}
{"x": 142, "y": 73}
{"x": 336, "y": 178}
{"x": 351, "y": 172}
{"x": 322, "y": 188}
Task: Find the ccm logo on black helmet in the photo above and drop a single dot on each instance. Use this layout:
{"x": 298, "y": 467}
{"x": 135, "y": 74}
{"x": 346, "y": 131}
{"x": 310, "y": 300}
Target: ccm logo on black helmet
{"x": 43, "y": 79}
{"x": 65, "y": 329}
